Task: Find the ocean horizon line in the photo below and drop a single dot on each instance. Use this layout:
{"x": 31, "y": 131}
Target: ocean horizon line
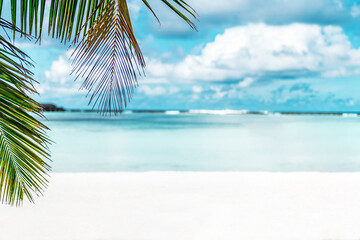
{"x": 217, "y": 112}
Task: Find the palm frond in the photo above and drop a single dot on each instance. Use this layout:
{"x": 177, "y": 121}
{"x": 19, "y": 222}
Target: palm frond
{"x": 68, "y": 18}
{"x": 23, "y": 141}
{"x": 108, "y": 57}
{"x": 31, "y": 15}
{"x": 183, "y": 5}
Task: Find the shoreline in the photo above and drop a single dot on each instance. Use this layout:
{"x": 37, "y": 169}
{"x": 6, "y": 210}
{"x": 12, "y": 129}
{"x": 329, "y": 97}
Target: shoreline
{"x": 190, "y": 205}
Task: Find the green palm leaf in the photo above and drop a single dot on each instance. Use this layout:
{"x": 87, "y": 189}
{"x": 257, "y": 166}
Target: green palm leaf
{"x": 23, "y": 142}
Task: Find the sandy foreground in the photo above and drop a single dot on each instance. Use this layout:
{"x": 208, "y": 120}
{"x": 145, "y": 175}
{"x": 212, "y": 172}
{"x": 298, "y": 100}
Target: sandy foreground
{"x": 190, "y": 205}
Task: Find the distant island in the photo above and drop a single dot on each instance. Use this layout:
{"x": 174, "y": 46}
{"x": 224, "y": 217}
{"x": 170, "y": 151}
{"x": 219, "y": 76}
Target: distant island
{"x": 48, "y": 107}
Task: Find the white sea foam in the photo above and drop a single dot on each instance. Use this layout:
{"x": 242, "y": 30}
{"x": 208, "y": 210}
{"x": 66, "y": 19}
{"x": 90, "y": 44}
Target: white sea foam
{"x": 218, "y": 112}
{"x": 172, "y": 112}
{"x": 349, "y": 115}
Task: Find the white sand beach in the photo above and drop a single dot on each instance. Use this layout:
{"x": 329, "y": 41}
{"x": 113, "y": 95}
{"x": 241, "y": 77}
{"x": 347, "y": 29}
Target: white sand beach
{"x": 189, "y": 205}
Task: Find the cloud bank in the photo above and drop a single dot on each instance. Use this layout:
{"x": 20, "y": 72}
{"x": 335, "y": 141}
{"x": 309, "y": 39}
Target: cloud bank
{"x": 262, "y": 52}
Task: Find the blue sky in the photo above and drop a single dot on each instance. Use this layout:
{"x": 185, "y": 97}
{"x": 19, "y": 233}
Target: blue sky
{"x": 277, "y": 55}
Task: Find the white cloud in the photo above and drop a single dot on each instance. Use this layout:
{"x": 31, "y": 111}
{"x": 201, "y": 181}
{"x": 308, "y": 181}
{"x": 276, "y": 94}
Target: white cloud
{"x": 218, "y": 92}
{"x": 197, "y": 89}
{"x": 69, "y": 53}
{"x": 173, "y": 90}
{"x": 158, "y": 90}
{"x": 134, "y": 10}
{"x": 246, "y": 82}
{"x": 58, "y": 81}
{"x": 58, "y": 91}
{"x": 262, "y": 51}
{"x": 355, "y": 11}
{"x": 150, "y": 80}
{"x": 155, "y": 91}
{"x": 60, "y": 71}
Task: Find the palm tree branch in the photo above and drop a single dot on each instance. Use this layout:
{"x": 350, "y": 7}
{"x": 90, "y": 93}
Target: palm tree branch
{"x": 113, "y": 50}
{"x": 23, "y": 140}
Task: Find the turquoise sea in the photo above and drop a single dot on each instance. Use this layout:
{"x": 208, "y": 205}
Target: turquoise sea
{"x": 89, "y": 142}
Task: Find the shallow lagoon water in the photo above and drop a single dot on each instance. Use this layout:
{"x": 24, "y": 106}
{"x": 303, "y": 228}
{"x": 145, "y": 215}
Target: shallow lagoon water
{"x": 89, "y": 142}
